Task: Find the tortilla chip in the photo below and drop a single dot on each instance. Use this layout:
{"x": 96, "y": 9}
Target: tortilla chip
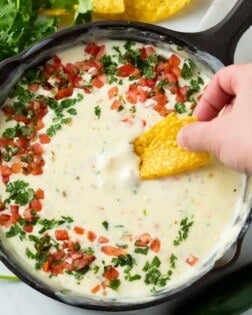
{"x": 108, "y": 6}
{"x": 160, "y": 154}
{"x": 147, "y": 11}
{"x": 146, "y": 138}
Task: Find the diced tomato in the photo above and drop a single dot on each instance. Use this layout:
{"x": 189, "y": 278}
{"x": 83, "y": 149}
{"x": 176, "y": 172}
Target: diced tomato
{"x": 146, "y": 51}
{"x": 48, "y": 70}
{"x": 111, "y": 273}
{"x": 103, "y": 239}
{"x": 127, "y": 120}
{"x": 171, "y": 78}
{"x": 36, "y": 205}
{"x": 76, "y": 255}
{"x": 155, "y": 245}
{"x": 37, "y": 148}
{"x": 27, "y": 214}
{"x": 143, "y": 240}
{"x": 39, "y": 193}
{"x": 64, "y": 92}
{"x": 174, "y": 60}
{"x": 96, "y": 288}
{"x": 180, "y": 98}
{"x": 39, "y": 124}
{"x": 5, "y": 170}
{"x": 5, "y": 219}
{"x": 176, "y": 72}
{"x": 79, "y": 230}
{"x": 113, "y": 91}
{"x": 87, "y": 90}
{"x": 183, "y": 90}
{"x": 16, "y": 168}
{"x": 91, "y": 236}
{"x": 33, "y": 87}
{"x": 46, "y": 266}
{"x": 61, "y": 235}
{"x": 167, "y": 67}
{"x": 92, "y": 48}
{"x": 14, "y": 213}
{"x": 57, "y": 62}
{"x": 97, "y": 82}
{"x": 28, "y": 228}
{"x": 79, "y": 264}
{"x": 57, "y": 268}
{"x": 3, "y": 142}
{"x": 162, "y": 110}
{"x": 22, "y": 143}
{"x": 147, "y": 82}
{"x": 161, "y": 99}
{"x": 174, "y": 89}
{"x": 131, "y": 94}
{"x": 125, "y": 70}
{"x": 191, "y": 260}
{"x": 113, "y": 251}
{"x": 101, "y": 52}
{"x": 5, "y": 179}
{"x": 143, "y": 94}
{"x": 44, "y": 138}
{"x": 116, "y": 104}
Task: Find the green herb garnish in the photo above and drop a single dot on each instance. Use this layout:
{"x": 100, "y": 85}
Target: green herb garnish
{"x": 185, "y": 226}
{"x": 187, "y": 69}
{"x": 20, "y": 192}
{"x": 97, "y": 111}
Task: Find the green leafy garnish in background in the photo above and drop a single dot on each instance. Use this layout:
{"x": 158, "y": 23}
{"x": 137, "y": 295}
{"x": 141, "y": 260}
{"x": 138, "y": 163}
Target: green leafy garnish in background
{"x": 22, "y": 22}
{"x": 9, "y": 278}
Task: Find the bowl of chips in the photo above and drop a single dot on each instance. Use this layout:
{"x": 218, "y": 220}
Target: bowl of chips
{"x": 155, "y": 149}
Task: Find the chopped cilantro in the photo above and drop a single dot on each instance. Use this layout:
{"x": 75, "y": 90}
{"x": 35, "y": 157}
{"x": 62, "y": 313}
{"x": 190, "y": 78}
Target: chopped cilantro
{"x": 194, "y": 88}
{"x": 15, "y": 230}
{"x": 50, "y": 224}
{"x": 18, "y": 130}
{"x": 97, "y": 111}
{"x": 128, "y": 45}
{"x": 105, "y": 225}
{"x": 123, "y": 260}
{"x": 152, "y": 273}
{"x": 20, "y": 192}
{"x": 185, "y": 226}
{"x": 8, "y": 152}
{"x": 114, "y": 284}
{"x": 141, "y": 250}
{"x": 187, "y": 69}
{"x": 180, "y": 108}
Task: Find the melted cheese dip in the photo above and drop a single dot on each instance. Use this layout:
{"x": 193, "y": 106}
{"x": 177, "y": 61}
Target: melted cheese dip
{"x": 99, "y": 229}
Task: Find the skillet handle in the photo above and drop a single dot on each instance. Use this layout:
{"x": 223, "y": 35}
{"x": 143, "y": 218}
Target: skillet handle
{"x": 221, "y": 40}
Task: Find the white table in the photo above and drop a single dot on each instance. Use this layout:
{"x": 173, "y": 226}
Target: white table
{"x": 18, "y": 298}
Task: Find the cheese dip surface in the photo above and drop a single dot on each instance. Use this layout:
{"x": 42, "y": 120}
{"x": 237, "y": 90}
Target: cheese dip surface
{"x": 73, "y": 207}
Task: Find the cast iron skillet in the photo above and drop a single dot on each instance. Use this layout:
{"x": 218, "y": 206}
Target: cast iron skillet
{"x": 215, "y": 47}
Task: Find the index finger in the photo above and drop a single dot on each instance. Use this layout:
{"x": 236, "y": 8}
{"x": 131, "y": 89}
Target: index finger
{"x": 219, "y": 92}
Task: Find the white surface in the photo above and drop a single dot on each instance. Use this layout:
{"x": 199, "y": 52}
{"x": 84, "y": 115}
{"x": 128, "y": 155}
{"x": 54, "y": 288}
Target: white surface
{"x": 18, "y": 298}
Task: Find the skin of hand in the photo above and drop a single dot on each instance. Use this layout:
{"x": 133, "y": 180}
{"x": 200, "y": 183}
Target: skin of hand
{"x": 225, "y": 119}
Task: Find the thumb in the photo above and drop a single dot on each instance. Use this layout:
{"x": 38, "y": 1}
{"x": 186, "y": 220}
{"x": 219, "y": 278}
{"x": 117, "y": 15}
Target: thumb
{"x": 199, "y": 136}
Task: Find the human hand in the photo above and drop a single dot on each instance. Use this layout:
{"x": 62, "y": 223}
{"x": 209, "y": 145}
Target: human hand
{"x": 227, "y": 135}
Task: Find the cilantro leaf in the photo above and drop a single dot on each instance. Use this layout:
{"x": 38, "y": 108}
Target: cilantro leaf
{"x": 20, "y": 192}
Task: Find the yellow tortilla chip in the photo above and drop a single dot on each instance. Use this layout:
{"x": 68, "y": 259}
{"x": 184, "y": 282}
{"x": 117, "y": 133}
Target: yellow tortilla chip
{"x": 108, "y": 6}
{"x": 160, "y": 153}
{"x": 147, "y": 11}
{"x": 146, "y": 138}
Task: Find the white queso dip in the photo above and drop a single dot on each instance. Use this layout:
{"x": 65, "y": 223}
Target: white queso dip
{"x": 73, "y": 207}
